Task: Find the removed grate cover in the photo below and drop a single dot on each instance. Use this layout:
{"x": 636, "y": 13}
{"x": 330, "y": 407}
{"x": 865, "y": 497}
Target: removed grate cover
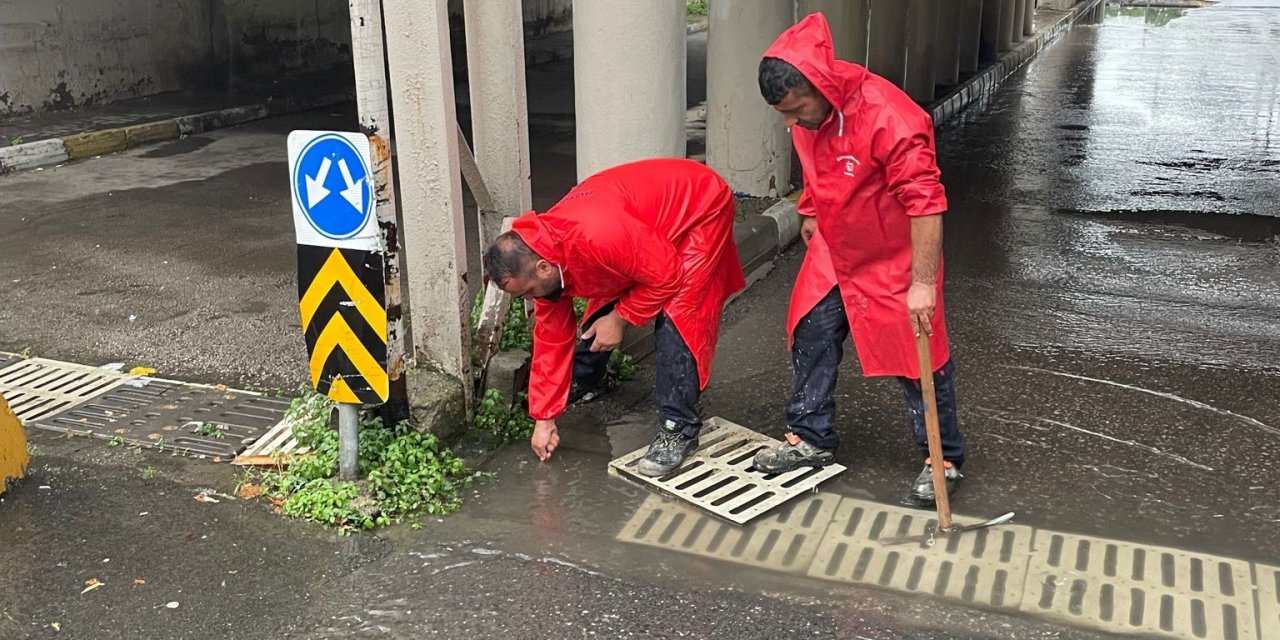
{"x": 986, "y": 566}
{"x": 718, "y": 478}
{"x": 784, "y": 541}
{"x": 39, "y": 388}
{"x": 1135, "y": 588}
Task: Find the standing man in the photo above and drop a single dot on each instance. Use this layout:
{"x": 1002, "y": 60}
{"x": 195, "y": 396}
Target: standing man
{"x": 872, "y": 208}
{"x": 649, "y": 240}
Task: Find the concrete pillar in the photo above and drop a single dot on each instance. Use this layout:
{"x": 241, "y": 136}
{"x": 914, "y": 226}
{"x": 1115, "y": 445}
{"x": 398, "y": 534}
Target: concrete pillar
{"x": 990, "y": 43}
{"x": 499, "y": 108}
{"x": 887, "y": 43}
{"x": 849, "y": 20}
{"x": 1029, "y": 19}
{"x": 629, "y": 81}
{"x": 425, "y": 128}
{"x": 1006, "y": 24}
{"x": 922, "y": 29}
{"x": 746, "y": 140}
{"x": 1019, "y": 18}
{"x": 970, "y": 35}
{"x": 947, "y": 42}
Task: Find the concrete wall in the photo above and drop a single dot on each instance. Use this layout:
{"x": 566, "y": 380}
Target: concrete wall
{"x": 59, "y": 54}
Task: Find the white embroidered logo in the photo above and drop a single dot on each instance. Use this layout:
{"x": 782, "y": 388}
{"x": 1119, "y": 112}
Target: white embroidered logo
{"x": 850, "y": 164}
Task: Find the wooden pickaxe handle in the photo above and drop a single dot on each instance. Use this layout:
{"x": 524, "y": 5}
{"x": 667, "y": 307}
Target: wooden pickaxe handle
{"x": 932, "y": 430}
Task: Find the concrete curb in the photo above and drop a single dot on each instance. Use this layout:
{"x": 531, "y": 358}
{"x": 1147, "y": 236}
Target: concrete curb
{"x": 989, "y": 79}
{"x": 55, "y": 151}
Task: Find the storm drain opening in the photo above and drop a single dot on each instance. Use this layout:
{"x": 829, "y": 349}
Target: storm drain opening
{"x": 38, "y": 388}
{"x": 783, "y": 541}
{"x": 719, "y": 479}
{"x": 1159, "y": 591}
{"x": 985, "y": 567}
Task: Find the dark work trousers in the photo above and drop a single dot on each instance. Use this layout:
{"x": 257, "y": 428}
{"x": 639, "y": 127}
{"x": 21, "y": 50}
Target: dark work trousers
{"x": 816, "y": 351}
{"x": 677, "y": 389}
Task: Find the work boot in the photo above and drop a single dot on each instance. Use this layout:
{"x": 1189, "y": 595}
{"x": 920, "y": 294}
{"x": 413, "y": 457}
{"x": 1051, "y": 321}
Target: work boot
{"x": 667, "y": 451}
{"x": 922, "y": 493}
{"x": 791, "y": 455}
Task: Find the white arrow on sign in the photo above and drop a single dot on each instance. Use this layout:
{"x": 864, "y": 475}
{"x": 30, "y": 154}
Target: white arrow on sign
{"x": 315, "y": 186}
{"x": 354, "y": 193}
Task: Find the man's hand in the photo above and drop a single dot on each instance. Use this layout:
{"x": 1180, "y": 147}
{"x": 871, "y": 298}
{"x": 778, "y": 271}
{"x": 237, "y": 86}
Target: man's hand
{"x": 546, "y": 437}
{"x": 607, "y": 332}
{"x": 807, "y": 227}
{"x": 922, "y": 298}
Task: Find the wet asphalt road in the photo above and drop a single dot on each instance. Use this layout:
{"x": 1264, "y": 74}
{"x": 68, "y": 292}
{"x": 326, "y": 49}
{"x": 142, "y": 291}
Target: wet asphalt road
{"x": 1112, "y": 282}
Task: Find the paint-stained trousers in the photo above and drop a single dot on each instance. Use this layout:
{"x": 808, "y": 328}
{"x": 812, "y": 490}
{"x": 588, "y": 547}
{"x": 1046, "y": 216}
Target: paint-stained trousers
{"x": 676, "y": 391}
{"x": 816, "y": 351}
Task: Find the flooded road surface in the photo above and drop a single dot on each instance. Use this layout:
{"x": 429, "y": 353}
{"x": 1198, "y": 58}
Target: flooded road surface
{"x": 1113, "y": 275}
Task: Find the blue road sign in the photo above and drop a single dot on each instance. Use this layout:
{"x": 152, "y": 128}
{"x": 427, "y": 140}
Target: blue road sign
{"x": 331, "y": 186}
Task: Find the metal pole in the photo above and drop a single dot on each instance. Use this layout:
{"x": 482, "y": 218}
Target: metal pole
{"x": 348, "y": 441}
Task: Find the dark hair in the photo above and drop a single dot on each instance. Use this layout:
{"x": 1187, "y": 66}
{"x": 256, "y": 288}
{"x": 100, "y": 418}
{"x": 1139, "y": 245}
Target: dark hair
{"x": 778, "y": 78}
{"x": 508, "y": 257}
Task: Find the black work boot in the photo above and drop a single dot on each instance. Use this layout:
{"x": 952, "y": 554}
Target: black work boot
{"x": 584, "y": 394}
{"x": 667, "y": 451}
{"x": 788, "y": 457}
{"x": 922, "y": 493}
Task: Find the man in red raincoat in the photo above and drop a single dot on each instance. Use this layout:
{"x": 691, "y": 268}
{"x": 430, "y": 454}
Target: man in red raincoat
{"x": 649, "y": 240}
{"x": 872, "y": 209}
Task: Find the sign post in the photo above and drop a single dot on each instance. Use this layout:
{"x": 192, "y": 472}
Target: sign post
{"x": 341, "y": 289}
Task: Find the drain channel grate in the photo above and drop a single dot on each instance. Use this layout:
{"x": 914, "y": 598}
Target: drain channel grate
{"x": 38, "y": 388}
{"x": 718, "y": 477}
{"x": 986, "y": 566}
{"x": 160, "y": 413}
{"x": 785, "y": 541}
{"x": 1268, "y": 581}
{"x": 1121, "y": 586}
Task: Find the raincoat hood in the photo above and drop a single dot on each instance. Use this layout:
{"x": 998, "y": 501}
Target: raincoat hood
{"x": 807, "y": 46}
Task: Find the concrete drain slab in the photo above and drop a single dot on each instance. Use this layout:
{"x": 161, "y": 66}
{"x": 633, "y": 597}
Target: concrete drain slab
{"x": 718, "y": 477}
{"x": 1121, "y": 586}
{"x": 784, "y": 541}
{"x": 985, "y": 567}
{"x": 37, "y": 388}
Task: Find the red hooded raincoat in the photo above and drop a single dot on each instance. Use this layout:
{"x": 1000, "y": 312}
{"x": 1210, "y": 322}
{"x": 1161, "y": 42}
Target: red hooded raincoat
{"x": 867, "y": 171}
{"x": 656, "y": 235}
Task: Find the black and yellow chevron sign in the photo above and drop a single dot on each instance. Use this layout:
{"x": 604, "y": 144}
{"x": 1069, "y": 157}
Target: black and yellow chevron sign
{"x": 340, "y": 293}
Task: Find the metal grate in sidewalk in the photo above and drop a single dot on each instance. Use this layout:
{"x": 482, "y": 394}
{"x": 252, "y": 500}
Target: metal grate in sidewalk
{"x": 718, "y": 478}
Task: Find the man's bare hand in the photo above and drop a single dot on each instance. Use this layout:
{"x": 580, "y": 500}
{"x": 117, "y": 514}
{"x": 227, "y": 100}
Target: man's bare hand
{"x": 807, "y": 227}
{"x": 607, "y": 332}
{"x": 922, "y": 299}
{"x": 546, "y": 437}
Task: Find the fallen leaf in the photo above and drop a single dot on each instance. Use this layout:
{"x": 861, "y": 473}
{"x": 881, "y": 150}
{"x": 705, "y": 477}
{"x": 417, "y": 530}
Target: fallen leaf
{"x": 153, "y": 436}
{"x": 277, "y": 502}
{"x": 141, "y": 371}
{"x": 91, "y": 584}
{"x": 138, "y": 582}
{"x": 121, "y": 431}
{"x": 219, "y": 387}
{"x": 249, "y": 491}
{"x": 205, "y": 497}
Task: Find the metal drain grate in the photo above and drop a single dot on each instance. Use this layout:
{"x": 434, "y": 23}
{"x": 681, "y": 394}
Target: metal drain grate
{"x": 783, "y": 542}
{"x": 718, "y": 477}
{"x": 1121, "y": 586}
{"x": 1268, "y": 581}
{"x": 195, "y": 419}
{"x": 266, "y": 451}
{"x": 986, "y": 566}
{"x": 39, "y": 388}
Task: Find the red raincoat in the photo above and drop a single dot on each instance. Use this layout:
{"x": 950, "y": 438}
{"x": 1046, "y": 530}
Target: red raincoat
{"x": 656, "y": 235}
{"x": 867, "y": 171}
